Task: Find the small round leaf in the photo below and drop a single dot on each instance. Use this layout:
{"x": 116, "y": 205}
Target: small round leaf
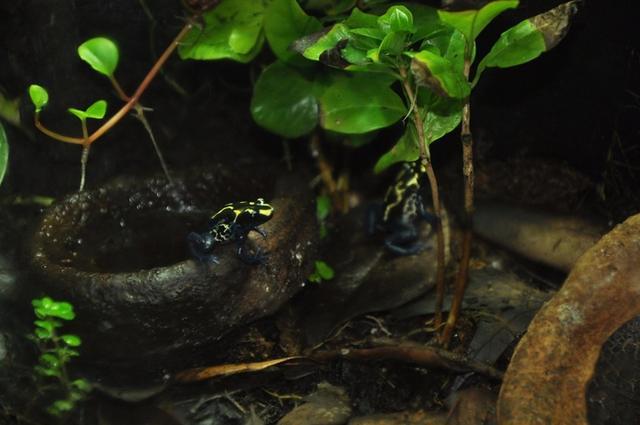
{"x": 71, "y": 340}
{"x": 82, "y": 115}
{"x": 97, "y": 110}
{"x": 101, "y": 54}
{"x": 39, "y": 96}
{"x": 324, "y": 270}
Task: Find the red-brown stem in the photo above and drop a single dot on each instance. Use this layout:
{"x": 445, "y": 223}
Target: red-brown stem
{"x": 467, "y": 221}
{"x": 435, "y": 196}
{"x": 56, "y": 136}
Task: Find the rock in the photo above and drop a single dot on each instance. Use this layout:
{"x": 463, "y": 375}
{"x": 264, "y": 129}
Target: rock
{"x": 329, "y": 405}
{"x": 367, "y": 279}
{"x": 472, "y": 406}
{"x": 552, "y": 366}
{"x": 119, "y": 254}
{"x": 551, "y": 239}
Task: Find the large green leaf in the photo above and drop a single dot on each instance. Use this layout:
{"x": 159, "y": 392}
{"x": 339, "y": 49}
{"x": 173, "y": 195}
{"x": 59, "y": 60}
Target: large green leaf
{"x": 4, "y": 153}
{"x": 285, "y": 22}
{"x": 472, "y": 22}
{"x": 439, "y": 74}
{"x": 528, "y": 39}
{"x": 516, "y": 46}
{"x": 359, "y": 103}
{"x": 284, "y": 102}
{"x": 101, "y": 54}
{"x": 232, "y": 30}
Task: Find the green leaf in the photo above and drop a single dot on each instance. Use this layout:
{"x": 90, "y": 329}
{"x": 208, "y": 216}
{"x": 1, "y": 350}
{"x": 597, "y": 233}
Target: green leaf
{"x": 96, "y": 111}
{"x": 449, "y": 43}
{"x": 285, "y": 22}
{"x": 359, "y": 103}
{"x": 63, "y": 405}
{"x": 323, "y": 207}
{"x": 396, "y": 19}
{"x": 406, "y": 149}
{"x": 46, "y": 371}
{"x": 66, "y": 353}
{"x": 42, "y": 333}
{"x": 39, "y": 96}
{"x": 44, "y": 324}
{"x": 81, "y": 384}
{"x": 71, "y": 340}
{"x": 283, "y": 101}
{"x": 439, "y": 74}
{"x": 82, "y": 115}
{"x": 392, "y": 45}
{"x": 49, "y": 361}
{"x": 4, "y": 153}
{"x": 472, "y": 22}
{"x": 442, "y": 116}
{"x": 528, "y": 39}
{"x": 327, "y": 41}
{"x": 516, "y": 46}
{"x": 46, "y": 307}
{"x": 324, "y": 270}
{"x": 101, "y": 54}
{"x": 233, "y": 30}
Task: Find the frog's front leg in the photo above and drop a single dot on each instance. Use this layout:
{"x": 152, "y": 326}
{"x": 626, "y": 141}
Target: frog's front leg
{"x": 258, "y": 256}
{"x": 404, "y": 240}
{"x": 200, "y": 245}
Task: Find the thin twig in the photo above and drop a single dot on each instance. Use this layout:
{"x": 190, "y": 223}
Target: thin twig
{"x": 467, "y": 221}
{"x": 435, "y": 196}
{"x": 414, "y": 353}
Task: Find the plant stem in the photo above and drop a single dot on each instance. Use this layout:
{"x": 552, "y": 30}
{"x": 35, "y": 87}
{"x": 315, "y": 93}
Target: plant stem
{"x": 64, "y": 375}
{"x": 425, "y": 159}
{"x": 85, "y": 155}
{"x": 467, "y": 220}
{"x": 56, "y": 136}
{"x": 140, "y": 116}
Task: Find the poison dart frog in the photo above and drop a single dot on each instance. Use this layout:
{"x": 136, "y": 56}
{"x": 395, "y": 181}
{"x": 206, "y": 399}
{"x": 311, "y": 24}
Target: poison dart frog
{"x": 401, "y": 210}
{"x": 232, "y": 223}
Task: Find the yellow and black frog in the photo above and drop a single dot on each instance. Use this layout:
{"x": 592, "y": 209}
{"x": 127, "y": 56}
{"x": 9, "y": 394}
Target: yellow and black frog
{"x": 232, "y": 223}
{"x": 402, "y": 209}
